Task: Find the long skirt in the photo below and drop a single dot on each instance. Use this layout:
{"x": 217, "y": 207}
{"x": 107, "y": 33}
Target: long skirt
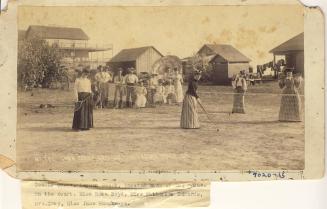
{"x": 189, "y": 117}
{"x": 83, "y": 114}
{"x": 140, "y": 100}
{"x": 238, "y": 103}
{"x": 150, "y": 95}
{"x": 290, "y": 106}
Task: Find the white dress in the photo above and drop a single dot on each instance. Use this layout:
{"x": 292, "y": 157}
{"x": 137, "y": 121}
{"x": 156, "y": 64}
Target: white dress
{"x": 159, "y": 96}
{"x": 178, "y": 88}
{"x": 140, "y": 96}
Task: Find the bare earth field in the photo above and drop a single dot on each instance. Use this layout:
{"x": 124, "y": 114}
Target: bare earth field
{"x": 150, "y": 138}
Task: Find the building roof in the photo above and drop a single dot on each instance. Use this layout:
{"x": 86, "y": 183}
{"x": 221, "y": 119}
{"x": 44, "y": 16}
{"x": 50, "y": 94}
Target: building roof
{"x": 228, "y": 52}
{"x": 50, "y": 32}
{"x": 127, "y": 55}
{"x": 294, "y": 44}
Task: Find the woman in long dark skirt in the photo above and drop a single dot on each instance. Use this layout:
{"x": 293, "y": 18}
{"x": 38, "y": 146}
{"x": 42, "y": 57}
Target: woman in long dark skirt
{"x": 189, "y": 116}
{"x": 290, "y": 105}
{"x": 83, "y": 114}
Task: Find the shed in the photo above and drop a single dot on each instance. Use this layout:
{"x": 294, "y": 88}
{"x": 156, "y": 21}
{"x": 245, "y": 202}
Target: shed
{"x": 225, "y": 61}
{"x": 142, "y": 59}
{"x": 293, "y": 50}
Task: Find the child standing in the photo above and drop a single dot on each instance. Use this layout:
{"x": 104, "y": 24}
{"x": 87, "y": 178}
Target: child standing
{"x": 141, "y": 93}
{"x": 159, "y": 96}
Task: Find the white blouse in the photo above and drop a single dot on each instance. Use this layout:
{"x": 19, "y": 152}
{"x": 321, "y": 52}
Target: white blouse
{"x": 82, "y": 85}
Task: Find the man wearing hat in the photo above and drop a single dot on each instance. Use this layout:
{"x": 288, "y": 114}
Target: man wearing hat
{"x": 103, "y": 78}
{"x": 120, "y": 88}
{"x": 130, "y": 80}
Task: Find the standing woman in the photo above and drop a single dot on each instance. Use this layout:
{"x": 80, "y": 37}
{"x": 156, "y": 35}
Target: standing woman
{"x": 240, "y": 87}
{"x": 189, "y": 117}
{"x": 178, "y": 80}
{"x": 83, "y": 115}
{"x": 290, "y": 106}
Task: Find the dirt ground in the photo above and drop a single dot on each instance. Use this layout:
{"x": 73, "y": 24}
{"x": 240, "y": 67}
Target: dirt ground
{"x": 150, "y": 138}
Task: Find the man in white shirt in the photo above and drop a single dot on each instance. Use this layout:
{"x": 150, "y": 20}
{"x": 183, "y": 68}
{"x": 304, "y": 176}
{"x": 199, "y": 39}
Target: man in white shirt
{"x": 130, "y": 80}
{"x": 103, "y": 78}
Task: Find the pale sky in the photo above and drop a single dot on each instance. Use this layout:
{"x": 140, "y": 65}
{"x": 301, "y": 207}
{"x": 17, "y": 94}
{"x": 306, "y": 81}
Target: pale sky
{"x": 181, "y": 31}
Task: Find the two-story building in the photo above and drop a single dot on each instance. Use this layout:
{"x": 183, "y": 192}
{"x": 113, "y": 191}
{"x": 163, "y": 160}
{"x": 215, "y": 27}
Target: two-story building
{"x": 73, "y": 43}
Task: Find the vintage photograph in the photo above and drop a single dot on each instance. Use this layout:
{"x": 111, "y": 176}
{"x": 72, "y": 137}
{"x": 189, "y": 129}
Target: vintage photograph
{"x": 118, "y": 88}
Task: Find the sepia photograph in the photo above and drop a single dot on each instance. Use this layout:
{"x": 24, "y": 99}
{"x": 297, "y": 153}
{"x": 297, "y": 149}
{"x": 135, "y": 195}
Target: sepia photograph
{"x": 122, "y": 88}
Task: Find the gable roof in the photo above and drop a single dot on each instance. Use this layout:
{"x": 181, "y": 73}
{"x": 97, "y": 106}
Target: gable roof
{"x": 228, "y": 52}
{"x": 132, "y": 54}
{"x": 294, "y": 44}
{"x": 50, "y": 32}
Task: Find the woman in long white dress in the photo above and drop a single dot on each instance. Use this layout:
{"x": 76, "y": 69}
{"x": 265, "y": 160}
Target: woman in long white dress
{"x": 178, "y": 80}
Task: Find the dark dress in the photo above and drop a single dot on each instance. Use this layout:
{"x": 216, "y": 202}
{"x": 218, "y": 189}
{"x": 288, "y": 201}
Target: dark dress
{"x": 83, "y": 114}
{"x": 189, "y": 116}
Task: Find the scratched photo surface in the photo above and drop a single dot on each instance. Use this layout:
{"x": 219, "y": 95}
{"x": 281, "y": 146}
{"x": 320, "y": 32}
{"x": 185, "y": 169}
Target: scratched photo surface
{"x": 115, "y": 88}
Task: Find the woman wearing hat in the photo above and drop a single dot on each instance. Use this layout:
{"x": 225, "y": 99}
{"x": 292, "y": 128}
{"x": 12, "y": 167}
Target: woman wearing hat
{"x": 290, "y": 105}
{"x": 240, "y": 87}
{"x": 189, "y": 116}
{"x": 83, "y": 114}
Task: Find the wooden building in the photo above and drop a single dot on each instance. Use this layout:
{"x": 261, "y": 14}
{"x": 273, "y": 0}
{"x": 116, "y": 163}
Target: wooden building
{"x": 225, "y": 61}
{"x": 72, "y": 42}
{"x": 142, "y": 59}
{"x": 293, "y": 50}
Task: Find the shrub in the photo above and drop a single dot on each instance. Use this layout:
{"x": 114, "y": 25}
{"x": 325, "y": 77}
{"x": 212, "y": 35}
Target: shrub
{"x": 39, "y": 64}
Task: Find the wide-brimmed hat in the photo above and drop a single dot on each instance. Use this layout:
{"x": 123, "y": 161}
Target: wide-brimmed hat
{"x": 288, "y": 70}
{"x": 197, "y": 72}
{"x": 85, "y": 71}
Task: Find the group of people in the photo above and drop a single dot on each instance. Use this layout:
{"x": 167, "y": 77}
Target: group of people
{"x": 137, "y": 94}
{"x": 290, "y": 107}
{"x": 130, "y": 91}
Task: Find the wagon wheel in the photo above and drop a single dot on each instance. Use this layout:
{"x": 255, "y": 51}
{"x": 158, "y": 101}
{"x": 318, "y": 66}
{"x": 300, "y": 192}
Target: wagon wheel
{"x": 168, "y": 62}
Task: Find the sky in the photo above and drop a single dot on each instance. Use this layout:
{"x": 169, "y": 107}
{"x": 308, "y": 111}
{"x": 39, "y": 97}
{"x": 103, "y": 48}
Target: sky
{"x": 178, "y": 30}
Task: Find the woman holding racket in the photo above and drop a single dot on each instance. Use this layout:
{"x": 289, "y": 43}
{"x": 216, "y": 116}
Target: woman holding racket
{"x": 83, "y": 114}
{"x": 189, "y": 117}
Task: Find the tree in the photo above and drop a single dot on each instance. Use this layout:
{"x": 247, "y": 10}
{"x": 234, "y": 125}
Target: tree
{"x": 201, "y": 63}
{"x": 38, "y": 63}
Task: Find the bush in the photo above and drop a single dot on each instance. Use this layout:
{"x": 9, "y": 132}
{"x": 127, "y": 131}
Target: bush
{"x": 39, "y": 64}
